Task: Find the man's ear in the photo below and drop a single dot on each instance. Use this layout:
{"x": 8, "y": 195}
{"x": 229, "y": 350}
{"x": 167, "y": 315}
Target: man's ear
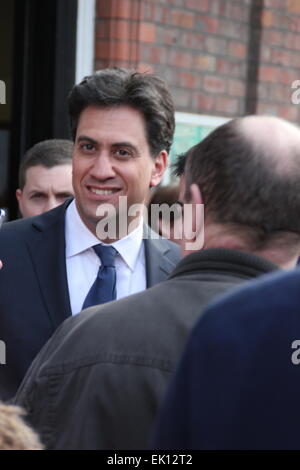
{"x": 195, "y": 194}
{"x": 18, "y": 194}
{"x": 160, "y": 165}
{"x": 193, "y": 221}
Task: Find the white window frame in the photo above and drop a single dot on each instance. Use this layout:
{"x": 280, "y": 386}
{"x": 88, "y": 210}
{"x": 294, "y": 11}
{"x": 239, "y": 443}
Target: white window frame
{"x": 85, "y": 39}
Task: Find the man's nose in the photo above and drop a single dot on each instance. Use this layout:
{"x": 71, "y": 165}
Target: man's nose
{"x": 51, "y": 203}
{"x": 103, "y": 168}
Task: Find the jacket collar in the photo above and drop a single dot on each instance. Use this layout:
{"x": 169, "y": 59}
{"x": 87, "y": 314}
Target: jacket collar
{"x": 223, "y": 260}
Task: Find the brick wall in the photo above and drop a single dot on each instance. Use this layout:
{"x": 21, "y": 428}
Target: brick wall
{"x": 220, "y": 57}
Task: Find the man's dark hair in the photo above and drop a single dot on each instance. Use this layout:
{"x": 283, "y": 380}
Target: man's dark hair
{"x": 142, "y": 91}
{"x": 48, "y": 153}
{"x": 240, "y": 186}
{"x": 179, "y": 165}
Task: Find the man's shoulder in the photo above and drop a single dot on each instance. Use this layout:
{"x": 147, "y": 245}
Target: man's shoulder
{"x": 22, "y": 228}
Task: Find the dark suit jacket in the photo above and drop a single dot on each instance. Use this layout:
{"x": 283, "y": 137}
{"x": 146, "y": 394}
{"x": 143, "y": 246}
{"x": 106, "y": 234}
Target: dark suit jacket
{"x": 238, "y": 385}
{"x": 34, "y": 297}
{"x": 112, "y": 362}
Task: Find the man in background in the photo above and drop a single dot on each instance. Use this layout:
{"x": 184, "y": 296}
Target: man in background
{"x": 45, "y": 177}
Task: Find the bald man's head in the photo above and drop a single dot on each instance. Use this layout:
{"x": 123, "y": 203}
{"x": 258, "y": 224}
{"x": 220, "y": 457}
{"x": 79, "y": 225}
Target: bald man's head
{"x": 272, "y": 138}
{"x": 248, "y": 171}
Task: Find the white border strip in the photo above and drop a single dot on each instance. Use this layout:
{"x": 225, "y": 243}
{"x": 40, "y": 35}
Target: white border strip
{"x": 85, "y": 39}
{"x": 200, "y": 119}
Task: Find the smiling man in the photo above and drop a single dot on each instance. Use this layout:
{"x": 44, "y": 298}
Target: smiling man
{"x": 122, "y": 125}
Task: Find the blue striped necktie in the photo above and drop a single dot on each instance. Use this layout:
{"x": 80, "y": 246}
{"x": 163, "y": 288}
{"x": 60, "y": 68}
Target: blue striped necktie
{"x": 104, "y": 288}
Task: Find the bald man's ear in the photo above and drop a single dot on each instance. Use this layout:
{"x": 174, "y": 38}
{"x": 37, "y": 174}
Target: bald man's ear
{"x": 194, "y": 220}
{"x": 196, "y": 195}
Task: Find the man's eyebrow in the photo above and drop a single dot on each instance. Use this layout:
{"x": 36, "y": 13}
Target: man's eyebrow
{"x": 86, "y": 138}
{"x": 125, "y": 144}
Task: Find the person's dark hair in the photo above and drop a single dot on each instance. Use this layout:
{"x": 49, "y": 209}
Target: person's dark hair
{"x": 142, "y": 91}
{"x": 240, "y": 187}
{"x": 179, "y": 165}
{"x": 48, "y": 153}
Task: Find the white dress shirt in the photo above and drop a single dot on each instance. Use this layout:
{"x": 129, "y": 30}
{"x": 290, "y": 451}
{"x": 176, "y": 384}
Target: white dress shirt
{"x": 83, "y": 263}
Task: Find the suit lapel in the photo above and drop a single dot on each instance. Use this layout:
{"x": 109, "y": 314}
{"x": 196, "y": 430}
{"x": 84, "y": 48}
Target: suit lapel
{"x": 47, "y": 250}
{"x": 158, "y": 265}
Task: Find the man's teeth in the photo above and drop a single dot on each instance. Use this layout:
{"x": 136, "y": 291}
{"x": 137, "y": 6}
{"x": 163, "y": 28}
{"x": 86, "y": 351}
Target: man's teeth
{"x": 103, "y": 191}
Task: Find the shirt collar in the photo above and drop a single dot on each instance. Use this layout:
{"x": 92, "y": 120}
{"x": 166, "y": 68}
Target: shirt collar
{"x": 79, "y": 238}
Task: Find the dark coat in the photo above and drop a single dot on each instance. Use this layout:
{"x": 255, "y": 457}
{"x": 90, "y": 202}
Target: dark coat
{"x": 238, "y": 384}
{"x": 34, "y": 295}
{"x": 98, "y": 382}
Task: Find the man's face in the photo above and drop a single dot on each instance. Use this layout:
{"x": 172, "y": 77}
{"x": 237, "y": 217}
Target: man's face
{"x": 45, "y": 188}
{"x": 112, "y": 159}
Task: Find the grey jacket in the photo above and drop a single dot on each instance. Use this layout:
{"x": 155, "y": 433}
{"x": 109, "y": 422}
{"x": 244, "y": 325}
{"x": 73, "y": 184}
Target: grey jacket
{"x": 98, "y": 382}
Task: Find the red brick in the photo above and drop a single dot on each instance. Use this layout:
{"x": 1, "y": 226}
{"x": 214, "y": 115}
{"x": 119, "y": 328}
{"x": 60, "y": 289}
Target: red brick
{"x": 267, "y": 18}
{"x": 292, "y": 41}
{"x": 293, "y": 6}
{"x": 287, "y": 77}
{"x": 279, "y": 93}
{"x": 103, "y": 49}
{"x": 182, "y": 98}
{"x": 121, "y": 29}
{"x": 193, "y": 40}
{"x": 142, "y": 67}
{"x": 103, "y": 9}
{"x": 187, "y": 80}
{"x": 147, "y": 32}
{"x": 231, "y": 68}
{"x": 265, "y": 54}
{"x": 207, "y": 24}
{"x": 274, "y": 38}
{"x": 214, "y": 84}
{"x": 236, "y": 88}
{"x": 232, "y": 30}
{"x": 280, "y": 57}
{"x": 153, "y": 54}
{"x": 168, "y": 36}
{"x": 217, "y": 7}
{"x": 263, "y": 91}
{"x": 119, "y": 50}
{"x": 237, "y": 49}
{"x": 207, "y": 63}
{"x": 118, "y": 9}
{"x": 290, "y": 113}
{"x": 203, "y": 102}
{"x": 199, "y": 5}
{"x": 184, "y": 20}
{"x": 228, "y": 106}
{"x": 276, "y": 4}
{"x": 215, "y": 45}
{"x": 235, "y": 11}
{"x": 269, "y": 74}
{"x": 102, "y": 29}
{"x": 180, "y": 59}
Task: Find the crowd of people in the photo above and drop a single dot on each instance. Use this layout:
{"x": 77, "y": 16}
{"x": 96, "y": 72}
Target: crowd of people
{"x": 117, "y": 337}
